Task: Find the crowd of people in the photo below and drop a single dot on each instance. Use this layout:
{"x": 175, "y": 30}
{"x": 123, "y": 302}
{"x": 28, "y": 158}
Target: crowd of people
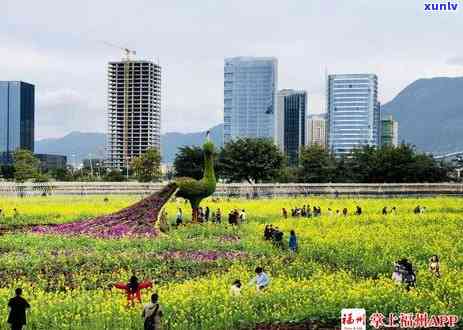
{"x": 235, "y": 216}
{"x": 275, "y": 235}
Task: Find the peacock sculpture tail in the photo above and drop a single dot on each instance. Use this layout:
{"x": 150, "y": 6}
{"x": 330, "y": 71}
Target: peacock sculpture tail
{"x": 135, "y": 220}
{"x": 196, "y": 190}
{"x": 139, "y": 218}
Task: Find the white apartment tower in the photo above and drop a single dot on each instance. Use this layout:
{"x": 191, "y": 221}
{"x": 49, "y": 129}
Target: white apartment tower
{"x": 316, "y": 130}
{"x": 134, "y": 110}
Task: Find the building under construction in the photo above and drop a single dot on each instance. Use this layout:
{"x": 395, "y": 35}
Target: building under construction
{"x": 134, "y": 110}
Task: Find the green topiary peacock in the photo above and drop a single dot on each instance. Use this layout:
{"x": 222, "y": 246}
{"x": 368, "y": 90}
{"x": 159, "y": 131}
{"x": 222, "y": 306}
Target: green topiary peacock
{"x": 196, "y": 190}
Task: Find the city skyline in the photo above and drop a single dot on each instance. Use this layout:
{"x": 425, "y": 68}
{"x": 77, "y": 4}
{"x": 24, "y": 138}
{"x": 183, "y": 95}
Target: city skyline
{"x": 64, "y": 57}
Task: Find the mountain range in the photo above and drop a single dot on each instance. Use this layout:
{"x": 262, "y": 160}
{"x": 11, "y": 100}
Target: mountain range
{"x": 429, "y": 112}
{"x": 79, "y": 145}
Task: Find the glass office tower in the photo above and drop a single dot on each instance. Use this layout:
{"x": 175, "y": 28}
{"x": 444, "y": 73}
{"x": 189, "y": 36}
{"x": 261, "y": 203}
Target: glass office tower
{"x": 290, "y": 124}
{"x": 353, "y": 112}
{"x": 17, "y": 107}
{"x": 250, "y": 85}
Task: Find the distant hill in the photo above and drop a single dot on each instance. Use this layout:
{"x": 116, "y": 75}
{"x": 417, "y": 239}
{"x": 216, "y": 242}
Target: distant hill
{"x": 81, "y": 145}
{"x": 430, "y": 114}
{"x": 75, "y": 145}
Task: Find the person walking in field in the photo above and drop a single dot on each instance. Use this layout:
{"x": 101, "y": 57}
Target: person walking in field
{"x": 292, "y": 242}
{"x": 207, "y": 214}
{"x": 152, "y": 314}
{"x": 133, "y": 289}
{"x": 18, "y": 306}
{"x": 179, "y": 217}
{"x": 434, "y": 266}
{"x": 243, "y": 216}
{"x": 218, "y": 216}
{"x": 285, "y": 213}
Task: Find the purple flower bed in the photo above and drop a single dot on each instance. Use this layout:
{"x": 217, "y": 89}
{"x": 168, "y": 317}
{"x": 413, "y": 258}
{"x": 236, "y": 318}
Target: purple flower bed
{"x": 136, "y": 220}
{"x": 201, "y": 256}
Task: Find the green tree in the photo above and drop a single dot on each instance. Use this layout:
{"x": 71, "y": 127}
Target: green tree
{"x": 147, "y": 167}
{"x": 189, "y": 162}
{"x": 388, "y": 164}
{"x": 316, "y": 165}
{"x": 250, "y": 159}
{"x": 114, "y": 176}
{"x": 25, "y": 164}
{"x": 7, "y": 172}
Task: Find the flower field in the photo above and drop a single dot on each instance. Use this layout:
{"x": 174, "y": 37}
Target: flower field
{"x": 342, "y": 262}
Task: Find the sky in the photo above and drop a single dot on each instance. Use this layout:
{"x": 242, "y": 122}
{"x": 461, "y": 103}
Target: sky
{"x": 60, "y": 47}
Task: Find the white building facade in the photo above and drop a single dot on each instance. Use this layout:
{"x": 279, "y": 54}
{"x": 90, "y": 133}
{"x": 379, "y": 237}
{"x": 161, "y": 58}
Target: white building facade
{"x": 353, "y": 112}
{"x": 134, "y": 110}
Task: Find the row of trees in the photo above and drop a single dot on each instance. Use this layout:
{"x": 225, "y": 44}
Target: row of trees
{"x": 259, "y": 160}
{"x": 26, "y": 167}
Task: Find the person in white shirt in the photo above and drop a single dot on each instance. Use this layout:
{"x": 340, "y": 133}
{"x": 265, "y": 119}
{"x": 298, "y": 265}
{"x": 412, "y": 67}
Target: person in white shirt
{"x": 261, "y": 280}
{"x": 243, "y": 216}
{"x": 235, "y": 289}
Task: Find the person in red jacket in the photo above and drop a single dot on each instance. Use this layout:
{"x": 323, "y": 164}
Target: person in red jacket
{"x": 133, "y": 289}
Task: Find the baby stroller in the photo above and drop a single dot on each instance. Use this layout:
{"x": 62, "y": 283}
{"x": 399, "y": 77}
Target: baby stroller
{"x": 405, "y": 269}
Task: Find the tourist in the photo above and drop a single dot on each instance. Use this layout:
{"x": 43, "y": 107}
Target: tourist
{"x": 106, "y": 200}
{"x": 218, "y": 216}
{"x": 330, "y": 212}
{"x": 200, "y": 214}
{"x": 394, "y": 210}
{"x": 397, "y": 275}
{"x": 243, "y": 216}
{"x": 268, "y": 232}
{"x": 338, "y": 213}
{"x": 207, "y": 214}
{"x": 417, "y": 209}
{"x": 133, "y": 289}
{"x": 285, "y": 213}
{"x": 292, "y": 242}
{"x": 261, "y": 280}
{"x": 408, "y": 275}
{"x": 277, "y": 236}
{"x": 309, "y": 213}
{"x": 344, "y": 211}
{"x": 434, "y": 266}
{"x": 235, "y": 289}
{"x": 358, "y": 210}
{"x": 152, "y": 314}
{"x": 232, "y": 220}
{"x": 384, "y": 211}
{"x": 303, "y": 212}
{"x": 179, "y": 217}
{"x": 17, "y": 306}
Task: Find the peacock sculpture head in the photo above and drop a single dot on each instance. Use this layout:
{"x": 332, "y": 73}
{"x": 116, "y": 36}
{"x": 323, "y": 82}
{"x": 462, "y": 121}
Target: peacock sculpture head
{"x": 208, "y": 146}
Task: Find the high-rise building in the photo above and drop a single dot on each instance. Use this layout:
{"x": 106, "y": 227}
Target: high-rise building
{"x": 353, "y": 112}
{"x": 316, "y": 130}
{"x": 290, "y": 133}
{"x": 389, "y": 132}
{"x": 250, "y": 85}
{"x": 17, "y": 109}
{"x": 134, "y": 110}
